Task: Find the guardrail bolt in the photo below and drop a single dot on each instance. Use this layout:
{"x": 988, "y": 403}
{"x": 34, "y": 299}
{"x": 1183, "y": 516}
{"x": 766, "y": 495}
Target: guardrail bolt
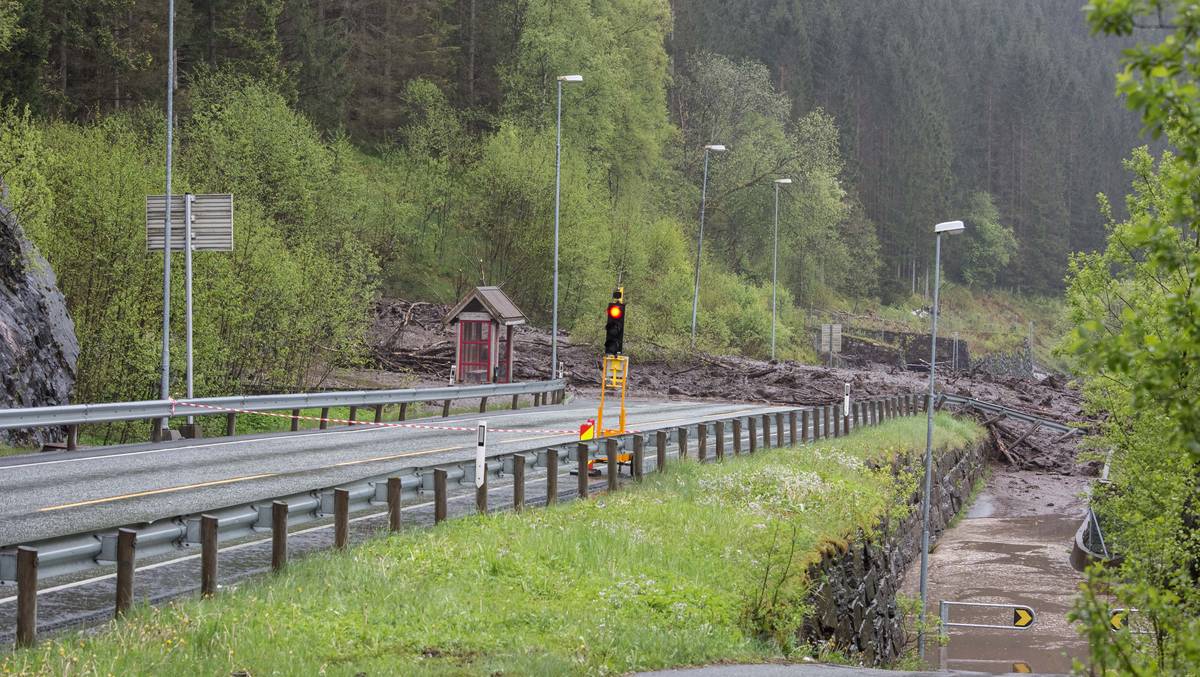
{"x": 208, "y": 555}
{"x": 439, "y": 496}
{"x": 394, "y": 487}
{"x": 581, "y": 460}
{"x": 518, "y": 471}
{"x": 126, "y": 544}
{"x": 279, "y": 520}
{"x": 27, "y": 580}
{"x": 341, "y": 518}
{"x": 551, "y": 476}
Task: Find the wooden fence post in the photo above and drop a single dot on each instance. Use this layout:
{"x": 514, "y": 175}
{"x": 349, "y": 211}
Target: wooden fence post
{"x": 126, "y": 546}
{"x": 353, "y": 414}
{"x": 792, "y": 425}
{"x": 27, "y": 582}
{"x": 639, "y": 457}
{"x": 581, "y": 459}
{"x": 719, "y": 433}
{"x": 804, "y": 426}
{"x": 445, "y": 408}
{"x": 341, "y": 518}
{"x": 518, "y": 461}
{"x": 753, "y": 425}
{"x": 279, "y": 520}
{"x": 439, "y": 496}
{"x": 779, "y": 442}
{"x": 766, "y": 431}
{"x": 483, "y": 405}
{"x": 660, "y": 443}
{"x": 403, "y": 411}
{"x": 682, "y": 434}
{"x": 295, "y": 420}
{"x": 514, "y": 402}
{"x": 551, "y": 476}
{"x": 837, "y": 420}
{"x": 701, "y": 442}
{"x": 208, "y": 555}
{"x": 379, "y": 413}
{"x": 230, "y": 425}
{"x": 614, "y": 469}
{"x": 394, "y": 488}
{"x": 737, "y": 436}
{"x": 324, "y": 418}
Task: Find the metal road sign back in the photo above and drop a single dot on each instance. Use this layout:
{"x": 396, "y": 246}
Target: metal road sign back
{"x": 836, "y": 332}
{"x": 831, "y": 338}
{"x": 825, "y": 337}
{"x": 212, "y": 222}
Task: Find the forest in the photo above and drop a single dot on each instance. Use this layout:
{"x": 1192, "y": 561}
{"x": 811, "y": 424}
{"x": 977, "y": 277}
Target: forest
{"x": 407, "y": 149}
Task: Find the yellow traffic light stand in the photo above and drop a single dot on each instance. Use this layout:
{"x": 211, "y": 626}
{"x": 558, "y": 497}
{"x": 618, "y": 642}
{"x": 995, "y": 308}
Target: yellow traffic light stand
{"x": 616, "y": 372}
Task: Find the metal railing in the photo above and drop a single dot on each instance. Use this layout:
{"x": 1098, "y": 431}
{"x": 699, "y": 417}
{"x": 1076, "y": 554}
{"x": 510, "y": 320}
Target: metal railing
{"x": 1007, "y": 411}
{"x": 109, "y": 412}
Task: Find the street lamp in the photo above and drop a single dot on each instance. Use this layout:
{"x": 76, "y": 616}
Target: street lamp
{"x": 557, "y": 183}
{"x": 710, "y": 148}
{"x": 775, "y": 261}
{"x": 946, "y": 228}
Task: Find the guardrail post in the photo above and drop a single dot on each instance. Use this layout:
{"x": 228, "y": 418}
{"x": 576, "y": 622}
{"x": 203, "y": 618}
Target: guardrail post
{"x": 551, "y": 476}
{"x": 682, "y": 435}
{"x": 518, "y": 471}
{"x": 481, "y": 493}
{"x": 341, "y": 518}
{"x": 804, "y": 426}
{"x": 403, "y": 411}
{"x": 779, "y": 442}
{"x": 854, "y": 413}
{"x": 753, "y": 425}
{"x": 295, "y": 420}
{"x": 845, "y": 423}
{"x": 324, "y": 418}
{"x": 230, "y": 425}
{"x": 792, "y": 425}
{"x": 394, "y": 488}
{"x": 439, "y": 496}
{"x": 379, "y": 413}
{"x": 837, "y": 420}
{"x": 827, "y": 413}
{"x": 72, "y": 437}
{"x": 737, "y": 436}
{"x": 660, "y": 450}
{"x": 279, "y": 520}
{"x": 353, "y": 414}
{"x": 483, "y": 405}
{"x": 537, "y": 399}
{"x": 701, "y": 442}
{"x": 581, "y": 459}
{"x": 514, "y": 402}
{"x": 126, "y": 545}
{"x": 639, "y": 457}
{"x": 766, "y": 421}
{"x": 208, "y": 555}
{"x": 614, "y": 468}
{"x": 27, "y": 579}
{"x": 719, "y": 433}
{"x": 445, "y": 408}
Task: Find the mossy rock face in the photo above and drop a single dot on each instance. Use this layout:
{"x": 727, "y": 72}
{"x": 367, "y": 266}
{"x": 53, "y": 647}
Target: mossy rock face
{"x": 38, "y": 348}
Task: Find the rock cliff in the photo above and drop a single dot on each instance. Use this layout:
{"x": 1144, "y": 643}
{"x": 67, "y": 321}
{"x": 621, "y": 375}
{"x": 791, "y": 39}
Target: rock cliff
{"x": 38, "y": 348}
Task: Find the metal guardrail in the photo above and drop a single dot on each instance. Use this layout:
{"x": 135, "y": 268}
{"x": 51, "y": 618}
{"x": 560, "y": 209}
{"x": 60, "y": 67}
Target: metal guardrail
{"x": 1007, "y": 411}
{"x": 109, "y": 412}
{"x": 82, "y": 551}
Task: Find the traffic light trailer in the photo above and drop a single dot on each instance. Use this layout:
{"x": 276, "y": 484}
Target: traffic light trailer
{"x": 614, "y": 376}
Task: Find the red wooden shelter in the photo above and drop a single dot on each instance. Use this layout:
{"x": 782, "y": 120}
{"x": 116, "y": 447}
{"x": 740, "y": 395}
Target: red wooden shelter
{"x": 485, "y": 318}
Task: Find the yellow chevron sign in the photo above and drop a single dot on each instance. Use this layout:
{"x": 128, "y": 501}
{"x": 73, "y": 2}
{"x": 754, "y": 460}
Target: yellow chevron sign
{"x": 1021, "y": 667}
{"x": 1117, "y": 618}
{"x": 1022, "y": 617}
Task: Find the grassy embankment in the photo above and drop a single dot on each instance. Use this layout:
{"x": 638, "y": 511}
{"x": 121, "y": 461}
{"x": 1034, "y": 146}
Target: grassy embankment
{"x": 700, "y": 564}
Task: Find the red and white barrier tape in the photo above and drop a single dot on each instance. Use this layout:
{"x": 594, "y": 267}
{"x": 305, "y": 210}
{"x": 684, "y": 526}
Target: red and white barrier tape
{"x": 381, "y": 424}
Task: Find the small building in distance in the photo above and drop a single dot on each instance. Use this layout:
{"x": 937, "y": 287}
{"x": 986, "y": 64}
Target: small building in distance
{"x": 484, "y": 336}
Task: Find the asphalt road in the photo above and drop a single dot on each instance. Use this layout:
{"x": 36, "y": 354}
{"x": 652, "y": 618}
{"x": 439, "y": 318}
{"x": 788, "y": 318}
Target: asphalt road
{"x": 56, "y": 494}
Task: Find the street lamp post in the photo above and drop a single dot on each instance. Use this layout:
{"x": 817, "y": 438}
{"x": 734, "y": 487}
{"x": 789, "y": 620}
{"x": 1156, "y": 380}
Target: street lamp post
{"x": 714, "y": 148}
{"x": 557, "y": 183}
{"x": 946, "y": 228}
{"x": 165, "y": 379}
{"x": 775, "y": 261}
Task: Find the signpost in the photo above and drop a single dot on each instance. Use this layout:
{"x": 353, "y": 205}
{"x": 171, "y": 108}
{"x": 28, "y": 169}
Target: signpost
{"x": 480, "y": 455}
{"x": 207, "y": 225}
{"x": 1023, "y": 617}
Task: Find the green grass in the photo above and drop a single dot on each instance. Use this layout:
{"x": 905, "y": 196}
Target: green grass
{"x": 701, "y": 564}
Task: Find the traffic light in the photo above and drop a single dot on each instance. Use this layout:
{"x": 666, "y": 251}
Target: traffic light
{"x": 614, "y": 325}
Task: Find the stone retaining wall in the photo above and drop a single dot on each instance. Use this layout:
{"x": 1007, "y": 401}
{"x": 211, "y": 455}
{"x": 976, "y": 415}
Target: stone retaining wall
{"x": 854, "y": 597}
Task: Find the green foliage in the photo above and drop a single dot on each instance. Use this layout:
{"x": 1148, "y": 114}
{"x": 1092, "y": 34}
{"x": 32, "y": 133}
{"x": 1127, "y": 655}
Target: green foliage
{"x": 989, "y": 245}
{"x": 704, "y": 563}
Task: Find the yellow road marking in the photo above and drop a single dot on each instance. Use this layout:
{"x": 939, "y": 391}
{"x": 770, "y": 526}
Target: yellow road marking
{"x": 152, "y": 492}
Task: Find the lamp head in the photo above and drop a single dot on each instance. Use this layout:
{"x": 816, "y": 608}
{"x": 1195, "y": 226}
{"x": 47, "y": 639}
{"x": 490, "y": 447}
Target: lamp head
{"x": 715, "y": 147}
{"x": 783, "y": 182}
{"x": 949, "y": 228}
{"x": 570, "y": 78}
